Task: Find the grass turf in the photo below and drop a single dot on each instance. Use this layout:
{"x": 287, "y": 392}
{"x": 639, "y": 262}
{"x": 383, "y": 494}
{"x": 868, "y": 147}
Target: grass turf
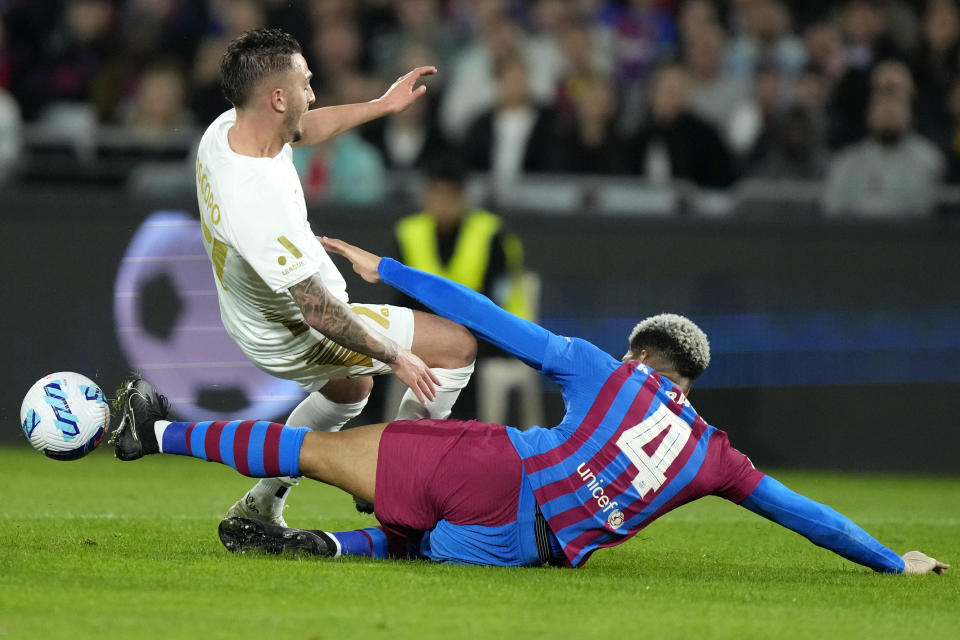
{"x": 102, "y": 549}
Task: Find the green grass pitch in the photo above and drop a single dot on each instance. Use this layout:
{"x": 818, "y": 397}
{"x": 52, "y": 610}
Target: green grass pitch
{"x": 103, "y": 549}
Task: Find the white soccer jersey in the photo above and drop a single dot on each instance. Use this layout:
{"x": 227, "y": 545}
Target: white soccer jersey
{"x": 255, "y": 231}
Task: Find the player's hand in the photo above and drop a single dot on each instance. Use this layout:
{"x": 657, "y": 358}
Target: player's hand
{"x": 364, "y": 262}
{"x": 915, "y": 562}
{"x": 404, "y": 91}
{"x": 412, "y": 372}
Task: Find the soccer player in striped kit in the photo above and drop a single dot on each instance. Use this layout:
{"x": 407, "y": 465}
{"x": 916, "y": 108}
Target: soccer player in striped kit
{"x": 629, "y": 449}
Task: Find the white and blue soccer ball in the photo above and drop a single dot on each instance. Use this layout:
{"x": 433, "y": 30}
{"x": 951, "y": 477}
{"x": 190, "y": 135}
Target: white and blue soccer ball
{"x": 65, "y": 415}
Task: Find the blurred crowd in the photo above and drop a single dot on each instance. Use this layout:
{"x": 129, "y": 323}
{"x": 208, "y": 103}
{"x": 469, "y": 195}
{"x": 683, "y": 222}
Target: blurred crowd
{"x": 862, "y": 94}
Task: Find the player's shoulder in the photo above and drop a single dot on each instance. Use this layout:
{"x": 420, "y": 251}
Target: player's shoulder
{"x": 576, "y": 354}
{"x": 215, "y": 134}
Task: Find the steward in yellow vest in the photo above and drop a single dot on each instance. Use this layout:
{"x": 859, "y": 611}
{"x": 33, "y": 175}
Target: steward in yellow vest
{"x": 464, "y": 244}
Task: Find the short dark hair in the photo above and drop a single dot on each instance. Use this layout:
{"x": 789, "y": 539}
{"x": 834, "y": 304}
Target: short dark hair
{"x": 675, "y": 339}
{"x": 251, "y": 57}
{"x": 447, "y": 167}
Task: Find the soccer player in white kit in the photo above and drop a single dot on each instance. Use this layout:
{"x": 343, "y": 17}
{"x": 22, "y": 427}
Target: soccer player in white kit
{"x": 281, "y": 298}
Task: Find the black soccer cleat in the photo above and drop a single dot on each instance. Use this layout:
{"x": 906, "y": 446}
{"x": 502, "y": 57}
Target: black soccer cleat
{"x": 141, "y": 406}
{"x": 242, "y": 535}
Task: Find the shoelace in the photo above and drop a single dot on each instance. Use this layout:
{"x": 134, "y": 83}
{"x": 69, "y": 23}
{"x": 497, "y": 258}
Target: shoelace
{"x": 164, "y": 404}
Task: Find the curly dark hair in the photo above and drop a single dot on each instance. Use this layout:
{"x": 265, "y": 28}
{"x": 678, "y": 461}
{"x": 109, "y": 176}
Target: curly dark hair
{"x": 676, "y": 339}
{"x": 251, "y": 57}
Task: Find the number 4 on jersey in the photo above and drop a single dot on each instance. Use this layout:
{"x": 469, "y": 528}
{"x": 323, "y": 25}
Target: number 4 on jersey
{"x": 652, "y": 468}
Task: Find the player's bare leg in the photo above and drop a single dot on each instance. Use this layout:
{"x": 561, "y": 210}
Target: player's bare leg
{"x": 346, "y": 459}
{"x": 449, "y": 350}
{"x": 328, "y": 409}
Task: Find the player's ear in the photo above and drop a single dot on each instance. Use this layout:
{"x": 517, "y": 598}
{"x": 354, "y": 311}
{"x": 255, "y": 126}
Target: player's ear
{"x": 278, "y": 100}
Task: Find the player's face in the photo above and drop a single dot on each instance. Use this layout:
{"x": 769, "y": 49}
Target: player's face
{"x": 300, "y": 96}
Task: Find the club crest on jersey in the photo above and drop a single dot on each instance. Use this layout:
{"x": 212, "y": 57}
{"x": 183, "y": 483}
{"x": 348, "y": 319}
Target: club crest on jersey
{"x": 615, "y": 519}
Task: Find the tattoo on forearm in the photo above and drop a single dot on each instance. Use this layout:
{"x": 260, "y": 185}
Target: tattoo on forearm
{"x": 334, "y": 319}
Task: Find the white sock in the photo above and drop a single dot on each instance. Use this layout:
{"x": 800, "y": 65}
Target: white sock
{"x": 318, "y": 413}
{"x": 452, "y": 381}
{"x": 158, "y": 428}
{"x": 321, "y": 414}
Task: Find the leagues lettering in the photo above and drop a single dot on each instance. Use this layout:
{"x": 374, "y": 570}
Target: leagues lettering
{"x": 291, "y": 268}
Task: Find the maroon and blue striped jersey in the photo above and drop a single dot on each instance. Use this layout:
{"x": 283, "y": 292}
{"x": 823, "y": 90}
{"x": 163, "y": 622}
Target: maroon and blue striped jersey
{"x": 629, "y": 449}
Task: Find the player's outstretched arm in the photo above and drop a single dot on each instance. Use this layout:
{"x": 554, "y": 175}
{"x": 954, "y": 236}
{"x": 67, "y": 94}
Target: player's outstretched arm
{"x": 831, "y": 530}
{"x": 333, "y": 318}
{"x": 326, "y": 122}
{"x": 521, "y": 338}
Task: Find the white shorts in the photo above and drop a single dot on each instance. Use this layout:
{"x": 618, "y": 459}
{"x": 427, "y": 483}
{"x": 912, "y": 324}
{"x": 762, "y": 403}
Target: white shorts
{"x": 325, "y": 360}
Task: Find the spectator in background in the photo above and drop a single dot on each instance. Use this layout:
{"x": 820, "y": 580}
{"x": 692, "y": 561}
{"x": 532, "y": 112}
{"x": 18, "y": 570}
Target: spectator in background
{"x": 693, "y": 15}
{"x": 69, "y": 60}
{"x": 584, "y": 58}
{"x": 11, "y": 136}
{"x": 418, "y": 23}
{"x": 6, "y": 59}
{"x": 147, "y": 30}
{"x": 866, "y": 42}
{"x": 952, "y": 141}
{"x": 644, "y": 35}
{"x": 230, "y": 18}
{"x": 750, "y": 131}
{"x": 892, "y": 77}
{"x": 11, "y": 122}
{"x": 336, "y": 52}
{"x": 410, "y": 139}
{"x": 549, "y": 22}
{"x": 332, "y": 11}
{"x": 766, "y": 42}
{"x": 169, "y": 28}
{"x": 674, "y": 143}
{"x": 714, "y": 94}
{"x": 514, "y": 137}
{"x": 472, "y": 82}
{"x": 589, "y": 143}
{"x": 796, "y": 151}
{"x": 466, "y": 244}
{"x": 158, "y": 108}
{"x": 798, "y": 147}
{"x": 936, "y": 66}
{"x": 826, "y": 54}
{"x": 894, "y": 173}
{"x": 291, "y": 16}
{"x": 345, "y": 169}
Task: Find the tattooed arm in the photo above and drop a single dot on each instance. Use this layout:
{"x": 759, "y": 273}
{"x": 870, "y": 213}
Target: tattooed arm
{"x": 333, "y": 318}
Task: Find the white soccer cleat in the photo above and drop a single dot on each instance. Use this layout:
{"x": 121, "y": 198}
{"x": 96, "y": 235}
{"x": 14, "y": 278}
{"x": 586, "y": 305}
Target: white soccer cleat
{"x": 248, "y": 507}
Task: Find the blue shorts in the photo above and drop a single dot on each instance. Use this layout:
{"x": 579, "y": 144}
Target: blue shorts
{"x": 509, "y": 545}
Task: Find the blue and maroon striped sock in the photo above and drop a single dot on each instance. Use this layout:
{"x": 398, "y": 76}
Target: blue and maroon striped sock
{"x": 254, "y": 448}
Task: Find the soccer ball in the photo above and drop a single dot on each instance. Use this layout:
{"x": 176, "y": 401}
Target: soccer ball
{"x": 65, "y": 415}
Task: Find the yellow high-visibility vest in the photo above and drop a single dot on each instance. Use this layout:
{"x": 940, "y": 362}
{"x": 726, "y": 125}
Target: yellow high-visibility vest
{"x": 417, "y": 237}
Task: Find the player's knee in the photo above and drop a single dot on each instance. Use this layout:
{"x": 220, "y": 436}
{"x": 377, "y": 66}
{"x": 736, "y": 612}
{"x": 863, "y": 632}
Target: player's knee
{"x": 348, "y": 391}
{"x": 462, "y": 349}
